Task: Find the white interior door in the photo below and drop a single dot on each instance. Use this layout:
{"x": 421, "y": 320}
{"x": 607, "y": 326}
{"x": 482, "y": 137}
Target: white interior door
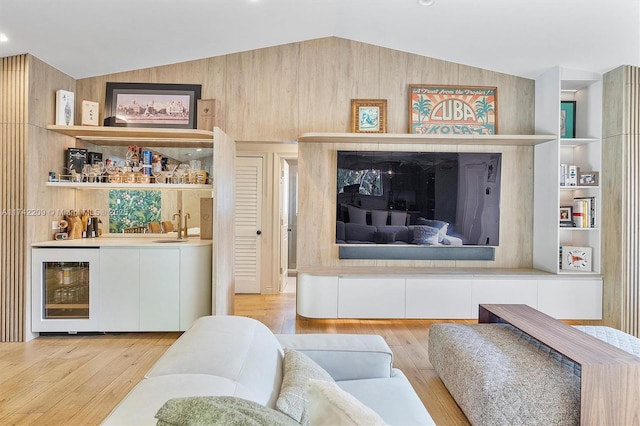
{"x": 284, "y": 226}
{"x": 248, "y": 224}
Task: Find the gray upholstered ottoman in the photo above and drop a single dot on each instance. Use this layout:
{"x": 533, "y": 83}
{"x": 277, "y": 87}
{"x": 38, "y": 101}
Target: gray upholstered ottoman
{"x": 501, "y": 376}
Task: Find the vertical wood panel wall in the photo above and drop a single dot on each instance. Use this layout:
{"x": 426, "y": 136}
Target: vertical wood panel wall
{"x": 631, "y": 134}
{"x": 621, "y": 199}
{"x": 13, "y": 141}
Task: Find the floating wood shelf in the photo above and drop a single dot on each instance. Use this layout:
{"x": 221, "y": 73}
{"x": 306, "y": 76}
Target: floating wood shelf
{"x": 405, "y": 138}
{"x": 123, "y": 136}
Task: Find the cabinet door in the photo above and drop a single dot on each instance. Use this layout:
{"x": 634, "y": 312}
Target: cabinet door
{"x": 120, "y": 289}
{"x": 518, "y": 291}
{"x": 371, "y": 298}
{"x": 438, "y": 298}
{"x": 159, "y": 289}
{"x": 195, "y": 284}
{"x": 571, "y": 298}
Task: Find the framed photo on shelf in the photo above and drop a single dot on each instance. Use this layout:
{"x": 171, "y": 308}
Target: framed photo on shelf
{"x": 151, "y": 105}
{"x": 453, "y": 110}
{"x": 369, "y": 115}
{"x": 566, "y": 216}
{"x": 568, "y": 119}
{"x": 588, "y": 179}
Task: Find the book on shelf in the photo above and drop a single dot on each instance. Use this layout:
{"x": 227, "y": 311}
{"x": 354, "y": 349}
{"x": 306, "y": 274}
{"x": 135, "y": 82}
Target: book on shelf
{"x": 584, "y": 212}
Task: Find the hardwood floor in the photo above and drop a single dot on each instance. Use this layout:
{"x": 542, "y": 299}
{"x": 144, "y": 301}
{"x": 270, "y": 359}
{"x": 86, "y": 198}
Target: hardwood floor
{"x": 77, "y": 380}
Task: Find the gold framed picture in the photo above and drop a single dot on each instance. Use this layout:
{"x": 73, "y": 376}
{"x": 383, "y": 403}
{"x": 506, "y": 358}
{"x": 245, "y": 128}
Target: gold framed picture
{"x": 369, "y": 115}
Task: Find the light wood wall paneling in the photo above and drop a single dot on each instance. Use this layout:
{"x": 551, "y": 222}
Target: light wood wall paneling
{"x": 397, "y": 71}
{"x": 278, "y": 93}
{"x": 224, "y": 157}
{"x": 332, "y": 72}
{"x": 612, "y": 181}
{"x": 516, "y": 98}
{"x": 621, "y": 199}
{"x": 632, "y": 268}
{"x": 210, "y": 73}
{"x": 13, "y": 245}
{"x": 262, "y": 89}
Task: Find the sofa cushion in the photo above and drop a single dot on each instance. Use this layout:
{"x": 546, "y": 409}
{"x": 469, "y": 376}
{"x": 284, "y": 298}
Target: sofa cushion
{"x": 219, "y": 410}
{"x": 355, "y": 232}
{"x": 329, "y": 406}
{"x": 393, "y": 399}
{"x": 384, "y": 237}
{"x": 402, "y": 232}
{"x": 423, "y": 234}
{"x": 238, "y": 348}
{"x": 298, "y": 370}
{"x": 344, "y": 356}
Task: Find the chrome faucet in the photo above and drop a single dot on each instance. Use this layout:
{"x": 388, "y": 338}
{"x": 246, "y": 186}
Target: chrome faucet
{"x": 186, "y": 216}
{"x": 179, "y": 214}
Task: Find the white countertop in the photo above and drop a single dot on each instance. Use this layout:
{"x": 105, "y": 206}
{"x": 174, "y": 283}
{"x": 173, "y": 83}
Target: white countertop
{"x": 126, "y": 241}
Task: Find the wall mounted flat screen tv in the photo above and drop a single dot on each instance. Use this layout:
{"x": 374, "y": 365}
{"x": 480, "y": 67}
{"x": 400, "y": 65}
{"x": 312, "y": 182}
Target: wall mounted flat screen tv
{"x": 426, "y": 198}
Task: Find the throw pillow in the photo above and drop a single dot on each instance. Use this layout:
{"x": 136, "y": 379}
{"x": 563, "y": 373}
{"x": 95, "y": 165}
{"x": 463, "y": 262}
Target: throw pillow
{"x": 438, "y": 224}
{"x": 329, "y": 405}
{"x": 298, "y": 370}
{"x": 226, "y": 410}
{"x": 423, "y": 234}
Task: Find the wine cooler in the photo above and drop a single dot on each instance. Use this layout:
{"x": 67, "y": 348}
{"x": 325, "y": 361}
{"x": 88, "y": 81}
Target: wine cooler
{"x": 64, "y": 289}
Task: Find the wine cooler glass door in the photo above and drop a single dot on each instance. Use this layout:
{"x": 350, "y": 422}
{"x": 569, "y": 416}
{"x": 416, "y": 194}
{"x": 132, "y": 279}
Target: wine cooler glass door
{"x": 65, "y": 289}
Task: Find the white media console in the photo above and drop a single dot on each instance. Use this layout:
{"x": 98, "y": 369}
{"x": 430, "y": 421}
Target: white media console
{"x": 443, "y": 293}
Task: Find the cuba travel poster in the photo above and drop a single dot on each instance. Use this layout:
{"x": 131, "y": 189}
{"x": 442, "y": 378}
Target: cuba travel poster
{"x": 453, "y": 110}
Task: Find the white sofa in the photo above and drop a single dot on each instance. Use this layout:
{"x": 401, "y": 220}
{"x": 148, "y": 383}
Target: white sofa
{"x": 239, "y": 356}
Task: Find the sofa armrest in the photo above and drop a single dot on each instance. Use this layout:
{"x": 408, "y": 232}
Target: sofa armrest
{"x": 344, "y": 356}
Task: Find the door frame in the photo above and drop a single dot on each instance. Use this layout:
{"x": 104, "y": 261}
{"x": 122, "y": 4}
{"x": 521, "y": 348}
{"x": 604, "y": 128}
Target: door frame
{"x": 278, "y": 162}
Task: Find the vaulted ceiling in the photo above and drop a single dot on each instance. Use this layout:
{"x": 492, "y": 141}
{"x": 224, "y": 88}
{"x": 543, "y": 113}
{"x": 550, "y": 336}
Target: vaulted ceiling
{"x": 85, "y": 38}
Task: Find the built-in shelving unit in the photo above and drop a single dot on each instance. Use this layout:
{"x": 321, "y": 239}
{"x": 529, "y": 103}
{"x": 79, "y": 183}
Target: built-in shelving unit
{"x": 583, "y": 151}
{"x": 222, "y": 190}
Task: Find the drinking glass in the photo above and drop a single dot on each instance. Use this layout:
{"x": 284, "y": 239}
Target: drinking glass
{"x": 181, "y": 172}
{"x": 171, "y": 168}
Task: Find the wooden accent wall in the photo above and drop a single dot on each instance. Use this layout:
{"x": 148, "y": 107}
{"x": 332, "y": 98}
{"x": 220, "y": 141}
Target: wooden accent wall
{"x": 278, "y": 93}
{"x": 27, "y": 94}
{"x": 621, "y": 199}
{"x": 13, "y": 142}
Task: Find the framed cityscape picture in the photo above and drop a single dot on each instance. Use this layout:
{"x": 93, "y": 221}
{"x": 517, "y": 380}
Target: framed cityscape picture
{"x": 453, "y": 110}
{"x": 369, "y": 115}
{"x": 151, "y": 105}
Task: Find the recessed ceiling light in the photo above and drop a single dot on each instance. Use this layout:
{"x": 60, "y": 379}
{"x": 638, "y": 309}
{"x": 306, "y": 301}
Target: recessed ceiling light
{"x": 426, "y": 2}
{"x": 3, "y": 38}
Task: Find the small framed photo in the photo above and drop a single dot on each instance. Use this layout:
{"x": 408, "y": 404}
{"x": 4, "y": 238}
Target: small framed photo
{"x": 588, "y": 179}
{"x": 369, "y": 115}
{"x": 568, "y": 119}
{"x": 566, "y": 216}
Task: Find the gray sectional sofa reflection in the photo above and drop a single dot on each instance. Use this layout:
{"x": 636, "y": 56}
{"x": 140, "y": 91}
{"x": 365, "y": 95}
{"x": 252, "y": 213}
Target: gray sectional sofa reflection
{"x": 428, "y": 233}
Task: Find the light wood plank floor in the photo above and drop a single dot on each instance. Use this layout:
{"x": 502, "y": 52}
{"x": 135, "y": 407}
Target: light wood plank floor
{"x": 77, "y": 380}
